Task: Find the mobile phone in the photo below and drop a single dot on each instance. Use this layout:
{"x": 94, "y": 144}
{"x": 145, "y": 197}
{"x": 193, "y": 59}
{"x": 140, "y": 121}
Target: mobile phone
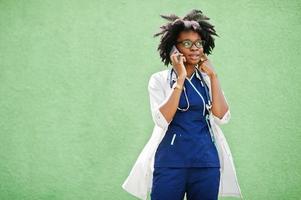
{"x": 173, "y": 49}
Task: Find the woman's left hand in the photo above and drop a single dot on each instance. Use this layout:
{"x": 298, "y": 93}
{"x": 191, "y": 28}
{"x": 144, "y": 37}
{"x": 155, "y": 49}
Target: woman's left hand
{"x": 206, "y": 66}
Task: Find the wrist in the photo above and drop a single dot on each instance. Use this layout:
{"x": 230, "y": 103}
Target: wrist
{"x": 181, "y": 80}
{"x": 178, "y": 86}
{"x": 182, "y": 76}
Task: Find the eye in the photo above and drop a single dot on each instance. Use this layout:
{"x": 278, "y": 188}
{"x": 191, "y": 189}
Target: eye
{"x": 200, "y": 43}
{"x": 187, "y": 43}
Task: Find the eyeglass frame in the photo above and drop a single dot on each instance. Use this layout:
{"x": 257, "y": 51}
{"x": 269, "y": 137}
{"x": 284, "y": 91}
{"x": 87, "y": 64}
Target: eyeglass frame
{"x": 193, "y": 43}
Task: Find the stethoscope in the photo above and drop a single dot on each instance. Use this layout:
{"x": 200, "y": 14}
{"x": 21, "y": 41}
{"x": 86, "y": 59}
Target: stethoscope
{"x": 206, "y": 106}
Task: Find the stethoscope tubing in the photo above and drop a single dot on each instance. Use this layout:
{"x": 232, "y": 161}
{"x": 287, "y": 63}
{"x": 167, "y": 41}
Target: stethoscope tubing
{"x": 207, "y": 106}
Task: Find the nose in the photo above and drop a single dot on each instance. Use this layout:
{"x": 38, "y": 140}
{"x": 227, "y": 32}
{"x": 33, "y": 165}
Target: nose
{"x": 194, "y": 47}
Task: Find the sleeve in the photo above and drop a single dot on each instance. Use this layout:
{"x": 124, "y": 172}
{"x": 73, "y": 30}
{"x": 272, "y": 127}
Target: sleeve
{"x": 226, "y": 118}
{"x": 157, "y": 99}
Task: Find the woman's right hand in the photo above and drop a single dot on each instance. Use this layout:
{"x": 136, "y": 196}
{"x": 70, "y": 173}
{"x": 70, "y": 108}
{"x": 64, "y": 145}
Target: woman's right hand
{"x": 177, "y": 60}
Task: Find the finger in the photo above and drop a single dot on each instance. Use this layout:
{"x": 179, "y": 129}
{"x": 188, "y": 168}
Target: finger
{"x": 177, "y": 54}
{"x": 201, "y": 62}
{"x": 203, "y": 58}
{"x": 202, "y": 68}
{"x": 174, "y": 59}
{"x": 183, "y": 59}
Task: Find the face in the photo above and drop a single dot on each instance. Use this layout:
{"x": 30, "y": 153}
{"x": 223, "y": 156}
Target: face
{"x": 193, "y": 53}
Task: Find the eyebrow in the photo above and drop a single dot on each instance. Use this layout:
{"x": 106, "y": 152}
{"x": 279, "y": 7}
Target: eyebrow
{"x": 191, "y": 40}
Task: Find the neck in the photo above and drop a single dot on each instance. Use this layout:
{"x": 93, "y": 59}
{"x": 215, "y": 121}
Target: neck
{"x": 190, "y": 69}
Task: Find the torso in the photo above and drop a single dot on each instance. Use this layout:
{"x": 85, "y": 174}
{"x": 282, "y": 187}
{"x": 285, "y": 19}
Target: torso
{"x": 187, "y": 142}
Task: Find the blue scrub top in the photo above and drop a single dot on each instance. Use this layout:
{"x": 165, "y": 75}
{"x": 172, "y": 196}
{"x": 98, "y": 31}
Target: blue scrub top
{"x": 187, "y": 142}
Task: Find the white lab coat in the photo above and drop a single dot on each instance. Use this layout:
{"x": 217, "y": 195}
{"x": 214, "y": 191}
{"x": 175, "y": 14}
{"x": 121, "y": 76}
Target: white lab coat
{"x": 139, "y": 181}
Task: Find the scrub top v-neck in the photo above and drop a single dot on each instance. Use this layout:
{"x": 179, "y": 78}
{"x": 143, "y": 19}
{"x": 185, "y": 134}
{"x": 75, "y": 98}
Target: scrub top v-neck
{"x": 187, "y": 142}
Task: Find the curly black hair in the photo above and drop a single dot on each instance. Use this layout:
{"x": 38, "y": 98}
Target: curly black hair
{"x": 195, "y": 20}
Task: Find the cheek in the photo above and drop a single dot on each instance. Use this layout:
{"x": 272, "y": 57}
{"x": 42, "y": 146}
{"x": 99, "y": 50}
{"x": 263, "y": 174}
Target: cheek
{"x": 186, "y": 52}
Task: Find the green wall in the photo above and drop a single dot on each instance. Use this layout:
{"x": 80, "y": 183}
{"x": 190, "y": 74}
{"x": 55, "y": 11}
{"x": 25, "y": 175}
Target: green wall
{"x": 74, "y": 107}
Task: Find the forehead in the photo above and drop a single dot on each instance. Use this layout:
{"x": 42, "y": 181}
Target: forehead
{"x": 191, "y": 35}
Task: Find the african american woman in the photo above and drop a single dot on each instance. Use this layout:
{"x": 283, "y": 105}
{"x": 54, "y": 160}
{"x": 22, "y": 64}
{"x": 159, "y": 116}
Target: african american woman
{"x": 187, "y": 154}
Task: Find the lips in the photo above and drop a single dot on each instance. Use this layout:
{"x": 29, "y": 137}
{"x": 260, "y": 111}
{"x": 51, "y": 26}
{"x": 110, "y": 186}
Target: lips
{"x": 194, "y": 56}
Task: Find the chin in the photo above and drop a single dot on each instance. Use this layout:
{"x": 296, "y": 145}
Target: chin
{"x": 192, "y": 62}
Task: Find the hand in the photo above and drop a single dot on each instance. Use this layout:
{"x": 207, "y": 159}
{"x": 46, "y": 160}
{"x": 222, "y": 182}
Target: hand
{"x": 206, "y": 66}
{"x": 178, "y": 60}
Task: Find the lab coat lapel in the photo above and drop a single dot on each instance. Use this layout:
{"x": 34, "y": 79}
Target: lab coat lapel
{"x": 229, "y": 182}
{"x": 139, "y": 181}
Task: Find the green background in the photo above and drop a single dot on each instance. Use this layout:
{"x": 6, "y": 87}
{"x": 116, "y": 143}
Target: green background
{"x": 74, "y": 106}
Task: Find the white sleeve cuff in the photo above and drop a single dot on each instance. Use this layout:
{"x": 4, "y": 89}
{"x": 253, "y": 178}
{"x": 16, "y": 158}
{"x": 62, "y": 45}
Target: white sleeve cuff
{"x": 159, "y": 119}
{"x": 225, "y": 119}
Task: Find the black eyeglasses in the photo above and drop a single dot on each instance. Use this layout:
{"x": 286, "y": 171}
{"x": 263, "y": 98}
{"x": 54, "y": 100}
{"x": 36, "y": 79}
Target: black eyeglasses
{"x": 188, "y": 43}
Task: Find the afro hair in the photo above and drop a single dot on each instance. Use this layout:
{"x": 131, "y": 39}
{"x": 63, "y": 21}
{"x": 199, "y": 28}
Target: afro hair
{"x": 195, "y": 20}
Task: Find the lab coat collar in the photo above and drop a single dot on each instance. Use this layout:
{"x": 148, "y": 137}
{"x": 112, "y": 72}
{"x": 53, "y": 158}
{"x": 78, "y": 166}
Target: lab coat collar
{"x": 174, "y": 74}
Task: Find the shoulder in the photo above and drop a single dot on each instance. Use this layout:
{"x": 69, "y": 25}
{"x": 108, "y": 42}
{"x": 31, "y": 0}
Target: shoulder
{"x": 159, "y": 76}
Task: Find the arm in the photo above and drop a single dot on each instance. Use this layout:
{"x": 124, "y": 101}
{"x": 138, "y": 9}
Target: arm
{"x": 169, "y": 108}
{"x": 219, "y": 104}
{"x": 220, "y": 108}
{"x": 163, "y": 108}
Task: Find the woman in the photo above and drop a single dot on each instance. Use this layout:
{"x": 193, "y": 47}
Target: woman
{"x": 187, "y": 151}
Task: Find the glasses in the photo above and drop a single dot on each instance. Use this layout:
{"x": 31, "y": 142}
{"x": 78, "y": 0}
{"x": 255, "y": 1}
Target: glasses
{"x": 188, "y": 43}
